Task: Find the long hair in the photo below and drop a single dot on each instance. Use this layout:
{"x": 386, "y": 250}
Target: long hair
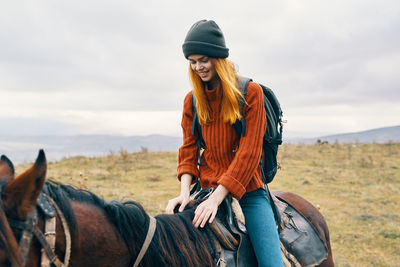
{"x": 228, "y": 91}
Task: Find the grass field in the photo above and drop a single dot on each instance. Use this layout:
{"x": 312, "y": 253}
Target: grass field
{"x": 356, "y": 187}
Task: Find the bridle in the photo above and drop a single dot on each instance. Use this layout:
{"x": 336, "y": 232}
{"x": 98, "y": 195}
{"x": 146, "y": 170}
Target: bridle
{"x": 29, "y": 228}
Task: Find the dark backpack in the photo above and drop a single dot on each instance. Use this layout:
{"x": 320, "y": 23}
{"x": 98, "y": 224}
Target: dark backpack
{"x": 273, "y": 134}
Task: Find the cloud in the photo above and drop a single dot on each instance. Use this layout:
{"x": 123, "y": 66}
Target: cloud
{"x": 318, "y": 120}
{"x": 73, "y": 122}
{"x": 331, "y": 53}
{"x": 121, "y": 56}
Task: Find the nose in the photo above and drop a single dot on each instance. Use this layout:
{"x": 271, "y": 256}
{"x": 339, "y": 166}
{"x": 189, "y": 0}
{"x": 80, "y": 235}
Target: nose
{"x": 198, "y": 66}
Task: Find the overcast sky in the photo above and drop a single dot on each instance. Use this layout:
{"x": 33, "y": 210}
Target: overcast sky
{"x": 116, "y": 67}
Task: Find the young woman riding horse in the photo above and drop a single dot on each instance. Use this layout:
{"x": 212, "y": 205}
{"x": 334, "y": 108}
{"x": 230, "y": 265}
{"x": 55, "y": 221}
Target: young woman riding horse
{"x": 105, "y": 233}
{"x": 230, "y": 166}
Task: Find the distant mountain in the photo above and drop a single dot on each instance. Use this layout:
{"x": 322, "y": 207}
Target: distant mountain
{"x": 24, "y": 148}
{"x": 379, "y": 135}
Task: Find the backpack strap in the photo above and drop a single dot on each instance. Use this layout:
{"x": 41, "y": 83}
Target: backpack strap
{"x": 240, "y": 125}
{"x": 196, "y": 129}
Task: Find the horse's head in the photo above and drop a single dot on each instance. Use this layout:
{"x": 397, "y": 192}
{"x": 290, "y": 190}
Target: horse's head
{"x": 18, "y": 199}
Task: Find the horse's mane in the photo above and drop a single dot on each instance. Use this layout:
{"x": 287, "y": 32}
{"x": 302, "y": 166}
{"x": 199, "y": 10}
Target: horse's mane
{"x": 173, "y": 243}
{"x": 126, "y": 216}
{"x": 176, "y": 233}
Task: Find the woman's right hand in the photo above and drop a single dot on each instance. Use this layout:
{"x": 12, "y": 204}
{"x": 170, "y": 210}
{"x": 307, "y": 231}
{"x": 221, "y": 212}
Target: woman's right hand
{"x": 182, "y": 199}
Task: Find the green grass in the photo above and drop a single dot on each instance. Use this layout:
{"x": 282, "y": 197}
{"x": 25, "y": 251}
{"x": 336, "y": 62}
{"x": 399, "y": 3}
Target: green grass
{"x": 356, "y": 188}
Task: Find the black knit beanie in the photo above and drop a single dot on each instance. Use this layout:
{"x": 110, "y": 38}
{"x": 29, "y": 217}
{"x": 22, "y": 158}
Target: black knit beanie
{"x": 205, "y": 38}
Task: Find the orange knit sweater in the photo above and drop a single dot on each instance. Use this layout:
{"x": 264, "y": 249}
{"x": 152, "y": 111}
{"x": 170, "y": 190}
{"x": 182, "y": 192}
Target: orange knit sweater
{"x": 236, "y": 169}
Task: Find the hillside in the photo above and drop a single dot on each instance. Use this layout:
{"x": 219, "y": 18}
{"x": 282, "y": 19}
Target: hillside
{"x": 23, "y": 148}
{"x": 379, "y": 136}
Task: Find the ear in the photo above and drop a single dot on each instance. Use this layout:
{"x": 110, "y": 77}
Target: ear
{"x": 20, "y": 195}
{"x": 6, "y": 169}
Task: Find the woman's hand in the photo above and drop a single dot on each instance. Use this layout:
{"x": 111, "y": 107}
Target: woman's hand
{"x": 207, "y": 210}
{"x": 183, "y": 198}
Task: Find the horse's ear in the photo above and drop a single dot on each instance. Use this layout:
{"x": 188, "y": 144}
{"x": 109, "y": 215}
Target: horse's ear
{"x": 21, "y": 194}
{"x": 6, "y": 169}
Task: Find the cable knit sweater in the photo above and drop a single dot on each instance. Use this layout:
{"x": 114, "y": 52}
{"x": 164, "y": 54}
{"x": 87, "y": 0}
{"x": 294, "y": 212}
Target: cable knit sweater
{"x": 236, "y": 168}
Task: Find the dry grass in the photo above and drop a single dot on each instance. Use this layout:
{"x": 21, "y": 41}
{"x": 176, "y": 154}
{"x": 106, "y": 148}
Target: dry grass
{"x": 356, "y": 187}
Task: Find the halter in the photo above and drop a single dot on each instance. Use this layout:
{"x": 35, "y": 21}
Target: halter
{"x": 47, "y": 240}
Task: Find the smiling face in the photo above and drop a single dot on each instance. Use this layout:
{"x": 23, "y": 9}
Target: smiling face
{"x": 204, "y": 66}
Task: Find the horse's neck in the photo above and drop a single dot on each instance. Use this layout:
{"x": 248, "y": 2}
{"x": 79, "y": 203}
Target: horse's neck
{"x": 97, "y": 236}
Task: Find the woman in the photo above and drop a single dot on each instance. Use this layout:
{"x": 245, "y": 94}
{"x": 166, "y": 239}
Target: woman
{"x": 229, "y": 164}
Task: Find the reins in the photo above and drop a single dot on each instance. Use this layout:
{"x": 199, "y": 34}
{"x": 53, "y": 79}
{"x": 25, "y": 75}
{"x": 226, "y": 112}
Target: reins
{"x": 28, "y": 228}
{"x": 149, "y": 237}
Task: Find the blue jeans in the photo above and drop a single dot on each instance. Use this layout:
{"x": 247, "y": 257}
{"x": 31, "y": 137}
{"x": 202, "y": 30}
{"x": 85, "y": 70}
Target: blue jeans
{"x": 261, "y": 227}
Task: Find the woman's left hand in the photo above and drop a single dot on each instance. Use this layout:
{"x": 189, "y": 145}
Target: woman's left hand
{"x": 207, "y": 210}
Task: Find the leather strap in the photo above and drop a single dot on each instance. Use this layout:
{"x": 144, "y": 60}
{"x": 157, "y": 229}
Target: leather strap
{"x": 147, "y": 241}
{"x": 45, "y": 246}
{"x": 67, "y": 235}
{"x": 223, "y": 235}
{"x": 221, "y": 261}
{"x": 50, "y": 236}
{"x": 27, "y": 233}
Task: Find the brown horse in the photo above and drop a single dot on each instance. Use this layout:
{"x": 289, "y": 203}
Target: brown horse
{"x": 106, "y": 233}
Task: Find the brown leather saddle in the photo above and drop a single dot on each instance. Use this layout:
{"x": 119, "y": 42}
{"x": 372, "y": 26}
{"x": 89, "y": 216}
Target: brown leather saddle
{"x": 300, "y": 242}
